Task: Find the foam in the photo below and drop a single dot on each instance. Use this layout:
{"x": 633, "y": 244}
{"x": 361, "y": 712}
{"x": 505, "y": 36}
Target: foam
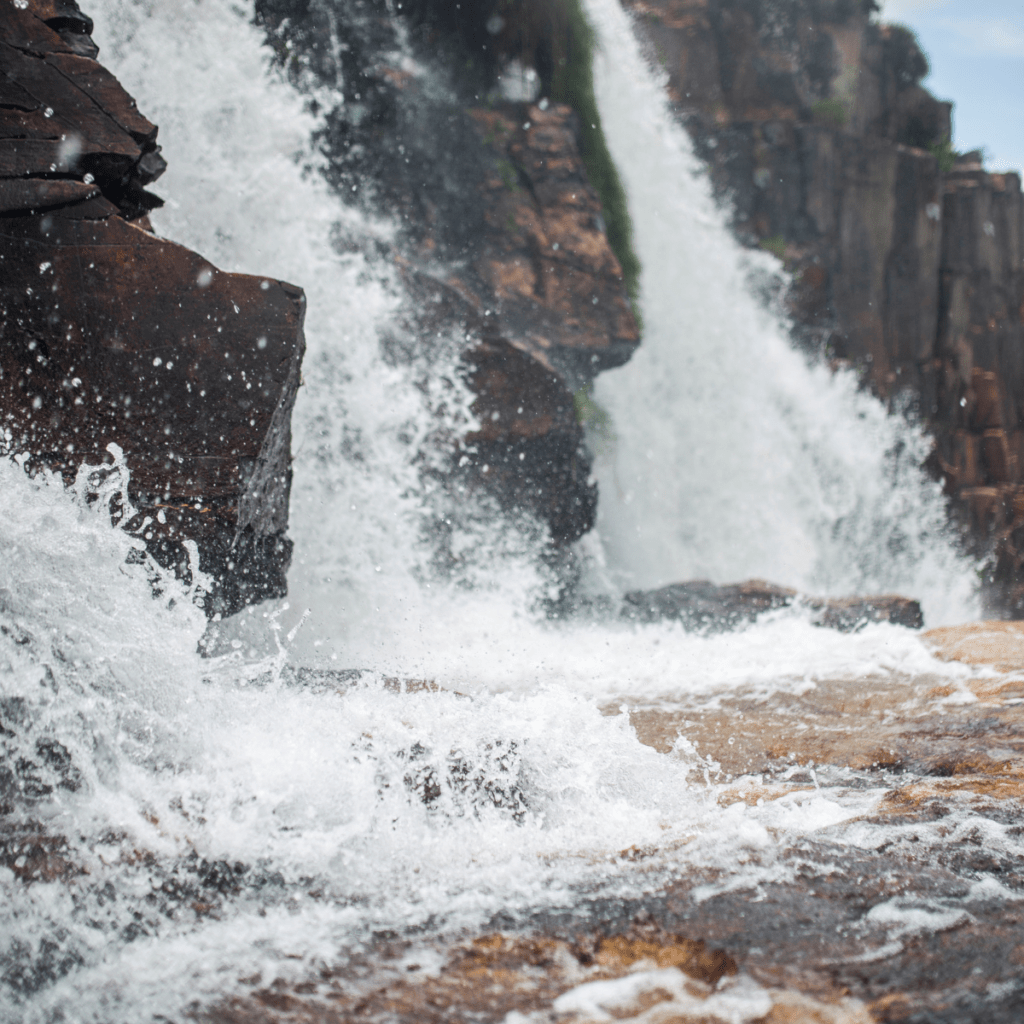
{"x": 238, "y": 815}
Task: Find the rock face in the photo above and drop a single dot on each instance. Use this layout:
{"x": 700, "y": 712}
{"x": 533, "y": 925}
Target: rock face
{"x": 906, "y": 259}
{"x": 502, "y": 241}
{"x": 705, "y": 606}
{"x": 980, "y": 357}
{"x": 813, "y": 123}
{"x": 109, "y": 334}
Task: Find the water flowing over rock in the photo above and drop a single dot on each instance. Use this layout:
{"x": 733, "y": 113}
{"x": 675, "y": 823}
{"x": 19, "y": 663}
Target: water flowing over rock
{"x": 501, "y": 816}
{"x": 906, "y": 258}
{"x": 702, "y": 605}
{"x": 111, "y": 335}
{"x": 501, "y": 237}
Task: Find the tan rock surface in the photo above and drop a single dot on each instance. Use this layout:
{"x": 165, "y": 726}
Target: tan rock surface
{"x": 996, "y": 643}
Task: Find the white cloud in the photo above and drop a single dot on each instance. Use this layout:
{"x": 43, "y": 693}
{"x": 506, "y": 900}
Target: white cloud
{"x": 895, "y": 9}
{"x": 993, "y": 35}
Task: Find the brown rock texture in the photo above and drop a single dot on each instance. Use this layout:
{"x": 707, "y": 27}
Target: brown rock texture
{"x": 496, "y": 974}
{"x": 996, "y": 643}
{"x": 501, "y": 237}
{"x": 906, "y": 259}
{"x": 702, "y": 605}
{"x": 110, "y": 335}
{"x": 538, "y": 296}
{"x": 544, "y": 271}
{"x": 980, "y": 367}
{"x": 544, "y": 261}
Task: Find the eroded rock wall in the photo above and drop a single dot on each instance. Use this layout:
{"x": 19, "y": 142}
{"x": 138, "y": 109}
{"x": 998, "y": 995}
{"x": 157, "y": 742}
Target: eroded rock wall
{"x": 501, "y": 235}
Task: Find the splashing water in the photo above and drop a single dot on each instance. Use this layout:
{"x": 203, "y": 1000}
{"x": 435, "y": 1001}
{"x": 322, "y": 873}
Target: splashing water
{"x": 746, "y": 461}
{"x": 206, "y": 820}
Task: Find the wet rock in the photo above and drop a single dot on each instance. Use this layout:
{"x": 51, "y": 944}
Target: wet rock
{"x": 999, "y": 644}
{"x": 702, "y": 605}
{"x": 34, "y": 856}
{"x": 65, "y": 116}
{"x": 979, "y": 413}
{"x": 544, "y": 262}
{"x": 501, "y": 236}
{"x": 112, "y": 336}
{"x": 527, "y": 447}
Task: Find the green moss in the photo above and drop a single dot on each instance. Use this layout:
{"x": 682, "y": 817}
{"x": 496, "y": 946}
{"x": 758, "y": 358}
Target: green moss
{"x": 573, "y": 83}
{"x": 776, "y": 245}
{"x": 594, "y": 418}
{"x": 829, "y": 112}
{"x": 945, "y": 153}
{"x": 509, "y": 176}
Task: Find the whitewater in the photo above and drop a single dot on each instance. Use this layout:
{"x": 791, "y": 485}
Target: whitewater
{"x": 392, "y": 749}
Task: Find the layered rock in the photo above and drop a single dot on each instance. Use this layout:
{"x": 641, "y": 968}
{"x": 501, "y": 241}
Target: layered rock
{"x": 980, "y": 368}
{"x": 906, "y": 260}
{"x": 705, "y": 606}
{"x": 110, "y": 335}
{"x": 814, "y": 126}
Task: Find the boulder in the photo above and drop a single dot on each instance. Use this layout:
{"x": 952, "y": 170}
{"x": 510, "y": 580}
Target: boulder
{"x": 702, "y": 605}
{"x": 111, "y": 335}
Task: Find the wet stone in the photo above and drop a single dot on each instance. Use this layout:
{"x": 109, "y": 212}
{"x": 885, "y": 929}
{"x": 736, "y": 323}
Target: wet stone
{"x": 110, "y": 335}
{"x": 702, "y": 605}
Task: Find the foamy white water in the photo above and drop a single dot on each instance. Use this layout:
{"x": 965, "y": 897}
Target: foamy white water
{"x": 745, "y": 461}
{"x": 235, "y": 818}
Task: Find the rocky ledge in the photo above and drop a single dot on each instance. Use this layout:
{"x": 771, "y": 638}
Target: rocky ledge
{"x": 111, "y": 335}
{"x": 701, "y": 605}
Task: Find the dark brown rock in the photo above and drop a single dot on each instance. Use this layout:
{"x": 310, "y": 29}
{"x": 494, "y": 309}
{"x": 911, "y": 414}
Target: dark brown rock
{"x": 112, "y": 336}
{"x": 528, "y": 447}
{"x": 65, "y": 116}
{"x": 850, "y": 613}
{"x": 539, "y": 294}
{"x": 544, "y": 261}
{"x": 706, "y": 606}
{"x": 19, "y": 195}
{"x": 500, "y": 235}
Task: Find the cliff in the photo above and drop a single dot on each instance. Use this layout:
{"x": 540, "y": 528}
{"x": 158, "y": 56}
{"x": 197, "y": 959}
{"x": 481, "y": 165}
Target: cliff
{"x": 110, "y": 335}
{"x": 905, "y": 257}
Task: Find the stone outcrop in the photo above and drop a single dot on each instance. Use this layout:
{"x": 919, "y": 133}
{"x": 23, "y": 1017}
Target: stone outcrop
{"x": 708, "y": 607}
{"x": 501, "y": 239}
{"x": 906, "y": 258}
{"x": 111, "y": 335}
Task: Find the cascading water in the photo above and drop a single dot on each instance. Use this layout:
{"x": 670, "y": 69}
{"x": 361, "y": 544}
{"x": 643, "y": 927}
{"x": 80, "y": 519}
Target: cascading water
{"x": 746, "y": 461}
{"x": 221, "y": 818}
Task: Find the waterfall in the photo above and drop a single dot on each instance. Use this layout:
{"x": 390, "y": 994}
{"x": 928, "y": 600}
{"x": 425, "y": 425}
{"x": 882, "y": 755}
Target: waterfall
{"x": 415, "y": 754}
{"x": 728, "y": 455}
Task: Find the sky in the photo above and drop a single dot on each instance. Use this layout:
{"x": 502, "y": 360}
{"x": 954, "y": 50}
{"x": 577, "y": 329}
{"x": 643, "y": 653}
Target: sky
{"x": 976, "y": 50}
